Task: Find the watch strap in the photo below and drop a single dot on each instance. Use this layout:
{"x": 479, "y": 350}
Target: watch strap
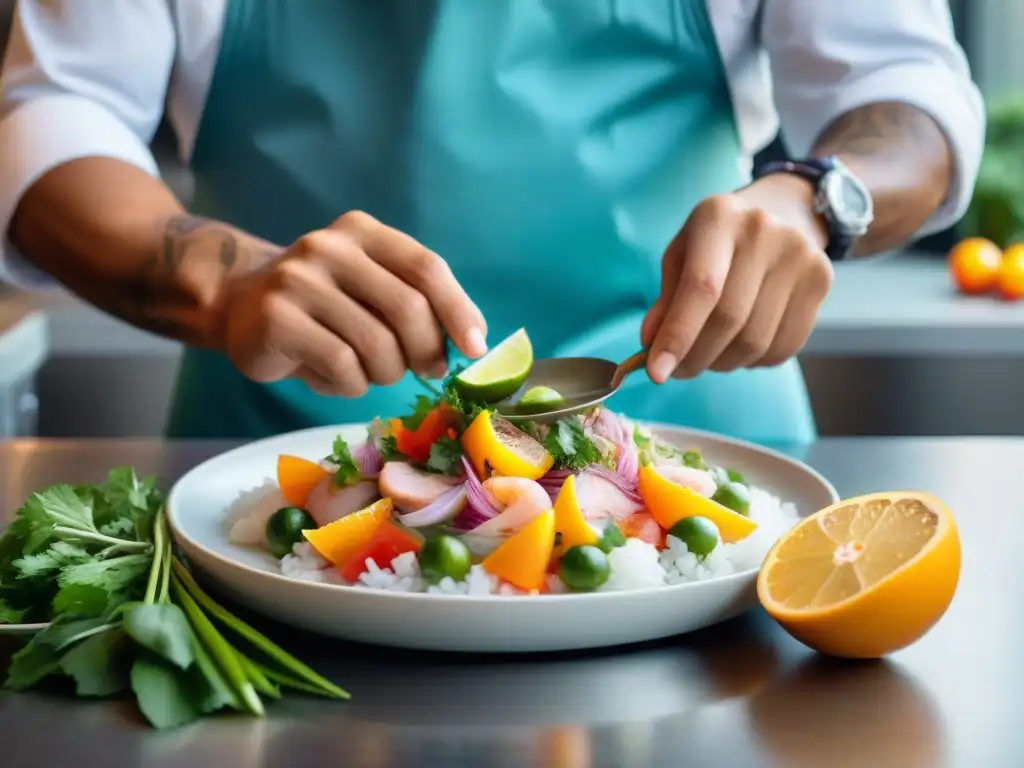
{"x": 814, "y": 170}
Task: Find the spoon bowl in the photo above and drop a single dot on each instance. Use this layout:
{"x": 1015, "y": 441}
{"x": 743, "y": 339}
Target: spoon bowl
{"x": 583, "y": 383}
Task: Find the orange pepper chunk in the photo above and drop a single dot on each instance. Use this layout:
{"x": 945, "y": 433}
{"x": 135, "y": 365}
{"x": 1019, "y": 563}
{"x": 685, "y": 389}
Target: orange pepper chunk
{"x": 297, "y": 477}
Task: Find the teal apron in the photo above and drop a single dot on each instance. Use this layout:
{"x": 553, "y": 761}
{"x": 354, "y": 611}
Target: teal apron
{"x": 547, "y": 149}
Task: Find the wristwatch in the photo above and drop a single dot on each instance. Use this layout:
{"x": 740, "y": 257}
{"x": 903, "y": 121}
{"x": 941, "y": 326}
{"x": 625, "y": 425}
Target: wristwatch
{"x": 840, "y": 198}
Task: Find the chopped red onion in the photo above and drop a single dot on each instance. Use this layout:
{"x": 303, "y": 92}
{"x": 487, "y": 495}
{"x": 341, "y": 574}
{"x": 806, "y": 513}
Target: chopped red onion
{"x": 443, "y": 509}
{"x": 627, "y": 487}
{"x": 610, "y": 427}
{"x": 481, "y": 505}
{"x": 368, "y": 458}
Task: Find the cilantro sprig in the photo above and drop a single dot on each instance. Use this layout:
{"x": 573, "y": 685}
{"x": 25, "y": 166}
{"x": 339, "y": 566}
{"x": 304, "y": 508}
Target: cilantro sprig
{"x": 348, "y": 470}
{"x": 125, "y": 614}
{"x": 570, "y": 446}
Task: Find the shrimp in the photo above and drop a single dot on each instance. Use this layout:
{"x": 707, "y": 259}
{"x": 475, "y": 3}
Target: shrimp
{"x": 695, "y": 479}
{"x": 522, "y": 501}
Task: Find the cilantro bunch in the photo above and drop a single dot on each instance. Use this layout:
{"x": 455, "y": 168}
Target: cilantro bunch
{"x": 98, "y": 563}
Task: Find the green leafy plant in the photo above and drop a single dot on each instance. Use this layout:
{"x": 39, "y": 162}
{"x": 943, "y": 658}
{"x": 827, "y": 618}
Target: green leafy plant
{"x": 997, "y": 208}
{"x": 98, "y": 563}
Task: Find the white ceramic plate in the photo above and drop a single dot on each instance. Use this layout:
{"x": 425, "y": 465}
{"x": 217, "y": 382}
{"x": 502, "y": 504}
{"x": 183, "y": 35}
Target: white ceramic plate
{"x": 197, "y": 512}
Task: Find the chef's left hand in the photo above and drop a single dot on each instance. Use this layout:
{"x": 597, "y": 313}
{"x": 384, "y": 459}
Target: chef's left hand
{"x": 742, "y": 282}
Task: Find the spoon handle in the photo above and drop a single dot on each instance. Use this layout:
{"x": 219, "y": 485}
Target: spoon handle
{"x": 627, "y": 366}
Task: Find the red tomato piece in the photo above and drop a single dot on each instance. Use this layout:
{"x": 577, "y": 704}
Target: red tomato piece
{"x": 388, "y": 542}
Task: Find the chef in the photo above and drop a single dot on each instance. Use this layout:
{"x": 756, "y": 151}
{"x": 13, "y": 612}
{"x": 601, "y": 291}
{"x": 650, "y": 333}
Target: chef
{"x": 373, "y": 177}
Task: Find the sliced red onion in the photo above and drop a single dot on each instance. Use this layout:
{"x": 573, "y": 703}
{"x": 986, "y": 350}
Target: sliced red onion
{"x": 611, "y": 427}
{"x": 556, "y": 474}
{"x": 368, "y": 458}
{"x": 443, "y": 509}
{"x": 481, "y": 505}
{"x": 627, "y": 487}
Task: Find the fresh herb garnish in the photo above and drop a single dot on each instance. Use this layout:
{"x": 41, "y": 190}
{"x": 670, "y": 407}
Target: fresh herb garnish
{"x": 570, "y": 446}
{"x": 388, "y": 449}
{"x": 348, "y": 471}
{"x": 423, "y": 406}
{"x": 467, "y": 409}
{"x": 445, "y": 456}
{"x": 694, "y": 460}
{"x": 98, "y": 563}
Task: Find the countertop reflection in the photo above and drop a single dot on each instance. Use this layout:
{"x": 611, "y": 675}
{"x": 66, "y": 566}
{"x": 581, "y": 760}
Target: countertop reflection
{"x": 736, "y": 695}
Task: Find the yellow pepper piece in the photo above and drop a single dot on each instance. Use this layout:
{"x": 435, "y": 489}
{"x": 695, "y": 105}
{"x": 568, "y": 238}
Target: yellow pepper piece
{"x": 338, "y": 541}
{"x": 570, "y": 523}
{"x": 523, "y": 559}
{"x": 670, "y": 502}
{"x": 490, "y": 441}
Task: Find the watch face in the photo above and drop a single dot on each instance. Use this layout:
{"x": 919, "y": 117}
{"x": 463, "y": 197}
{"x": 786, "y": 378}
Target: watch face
{"x": 849, "y": 201}
{"x": 853, "y": 199}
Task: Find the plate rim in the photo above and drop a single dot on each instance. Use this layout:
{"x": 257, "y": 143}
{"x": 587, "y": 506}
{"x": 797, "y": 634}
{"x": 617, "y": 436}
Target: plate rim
{"x": 344, "y": 589}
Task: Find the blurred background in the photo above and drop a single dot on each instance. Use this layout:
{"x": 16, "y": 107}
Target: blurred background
{"x": 896, "y": 351}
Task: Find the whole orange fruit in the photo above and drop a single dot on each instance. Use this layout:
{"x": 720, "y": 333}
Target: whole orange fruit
{"x": 974, "y": 264}
{"x": 1010, "y": 280}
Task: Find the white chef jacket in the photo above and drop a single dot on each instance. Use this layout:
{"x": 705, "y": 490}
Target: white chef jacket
{"x": 94, "y": 77}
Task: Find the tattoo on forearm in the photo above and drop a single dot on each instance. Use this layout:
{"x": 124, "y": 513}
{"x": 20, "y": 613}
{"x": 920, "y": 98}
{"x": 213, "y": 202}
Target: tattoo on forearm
{"x": 903, "y": 156}
{"x": 168, "y": 286}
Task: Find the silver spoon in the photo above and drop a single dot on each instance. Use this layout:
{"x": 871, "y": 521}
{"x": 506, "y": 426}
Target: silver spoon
{"x": 583, "y": 382}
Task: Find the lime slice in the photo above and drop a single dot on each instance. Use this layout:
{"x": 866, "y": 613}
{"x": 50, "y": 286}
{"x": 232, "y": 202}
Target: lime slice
{"x": 539, "y": 399}
{"x": 500, "y": 373}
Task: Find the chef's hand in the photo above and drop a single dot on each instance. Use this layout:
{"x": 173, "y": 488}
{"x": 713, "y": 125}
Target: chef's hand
{"x": 351, "y": 305}
{"x": 741, "y": 283}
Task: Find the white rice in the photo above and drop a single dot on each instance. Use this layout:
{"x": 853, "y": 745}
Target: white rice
{"x": 636, "y": 565}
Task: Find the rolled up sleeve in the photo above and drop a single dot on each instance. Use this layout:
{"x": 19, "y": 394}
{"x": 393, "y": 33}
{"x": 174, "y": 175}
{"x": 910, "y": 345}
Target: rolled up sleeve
{"x": 80, "y": 79}
{"x": 828, "y": 58}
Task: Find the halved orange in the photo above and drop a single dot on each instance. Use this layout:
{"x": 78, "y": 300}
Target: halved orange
{"x": 864, "y": 577}
{"x": 338, "y": 541}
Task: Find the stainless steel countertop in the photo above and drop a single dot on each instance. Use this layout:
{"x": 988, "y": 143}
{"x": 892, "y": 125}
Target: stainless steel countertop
{"x": 900, "y": 305}
{"x": 741, "y": 694}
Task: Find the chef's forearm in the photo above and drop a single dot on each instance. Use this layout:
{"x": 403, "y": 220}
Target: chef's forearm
{"x": 118, "y": 238}
{"x": 903, "y": 157}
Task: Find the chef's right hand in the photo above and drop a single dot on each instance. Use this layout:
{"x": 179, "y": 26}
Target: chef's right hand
{"x": 351, "y": 305}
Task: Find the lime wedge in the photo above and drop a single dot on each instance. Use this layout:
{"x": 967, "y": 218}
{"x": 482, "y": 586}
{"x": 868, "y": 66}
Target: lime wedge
{"x": 539, "y": 399}
{"x": 500, "y": 373}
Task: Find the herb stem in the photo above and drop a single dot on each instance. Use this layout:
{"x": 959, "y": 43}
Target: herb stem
{"x": 99, "y": 538}
{"x": 87, "y": 633}
{"x": 428, "y": 386}
{"x": 163, "y": 595}
{"x": 258, "y": 639}
{"x": 259, "y": 680}
{"x": 226, "y": 657}
{"x": 287, "y": 681}
{"x": 152, "y": 584}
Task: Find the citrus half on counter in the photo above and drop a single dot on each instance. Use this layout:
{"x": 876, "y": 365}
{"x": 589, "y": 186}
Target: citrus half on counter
{"x": 865, "y": 577}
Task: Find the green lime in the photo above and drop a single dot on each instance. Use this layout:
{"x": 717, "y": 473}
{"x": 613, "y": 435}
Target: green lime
{"x": 611, "y": 538}
{"x": 736, "y": 476}
{"x": 284, "y": 529}
{"x": 539, "y": 399}
{"x": 584, "y": 568}
{"x": 733, "y": 495}
{"x": 699, "y": 534}
{"x": 444, "y": 556}
{"x": 500, "y": 373}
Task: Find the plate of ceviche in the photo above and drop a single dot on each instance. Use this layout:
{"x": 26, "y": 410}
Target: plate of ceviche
{"x": 452, "y": 528}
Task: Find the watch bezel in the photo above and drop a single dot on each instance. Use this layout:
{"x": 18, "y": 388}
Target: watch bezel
{"x": 829, "y": 201}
